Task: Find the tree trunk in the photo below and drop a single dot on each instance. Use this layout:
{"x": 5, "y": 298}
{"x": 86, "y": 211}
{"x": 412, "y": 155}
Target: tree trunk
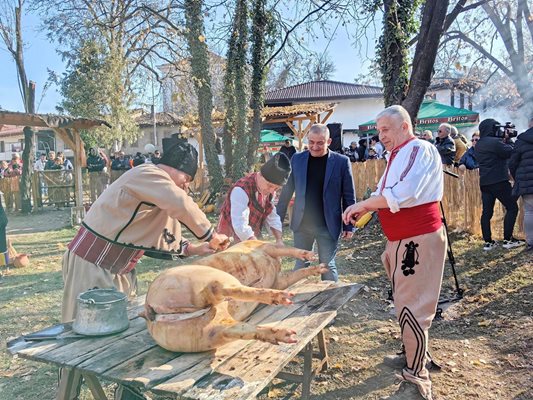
{"x": 229, "y": 101}
{"x": 27, "y": 170}
{"x": 27, "y": 156}
{"x": 431, "y": 30}
{"x": 259, "y": 24}
{"x": 241, "y": 135}
{"x": 202, "y": 83}
{"x": 392, "y": 51}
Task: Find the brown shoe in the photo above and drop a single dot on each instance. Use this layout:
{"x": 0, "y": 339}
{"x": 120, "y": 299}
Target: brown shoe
{"x": 407, "y": 391}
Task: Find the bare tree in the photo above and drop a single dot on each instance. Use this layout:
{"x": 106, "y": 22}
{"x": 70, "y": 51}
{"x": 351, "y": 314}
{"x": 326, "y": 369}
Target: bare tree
{"x": 11, "y": 33}
{"x": 501, "y": 25}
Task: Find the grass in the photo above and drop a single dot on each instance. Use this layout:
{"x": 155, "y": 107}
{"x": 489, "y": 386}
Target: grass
{"x": 484, "y": 342}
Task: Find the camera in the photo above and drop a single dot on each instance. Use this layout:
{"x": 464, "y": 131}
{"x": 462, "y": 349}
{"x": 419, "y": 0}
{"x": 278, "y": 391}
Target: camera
{"x": 509, "y": 129}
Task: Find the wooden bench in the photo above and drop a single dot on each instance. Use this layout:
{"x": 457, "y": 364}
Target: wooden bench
{"x": 238, "y": 370}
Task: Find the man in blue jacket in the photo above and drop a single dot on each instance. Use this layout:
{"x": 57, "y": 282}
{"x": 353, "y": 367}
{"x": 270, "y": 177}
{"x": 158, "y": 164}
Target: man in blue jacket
{"x": 323, "y": 184}
{"x": 492, "y": 155}
{"x": 521, "y": 167}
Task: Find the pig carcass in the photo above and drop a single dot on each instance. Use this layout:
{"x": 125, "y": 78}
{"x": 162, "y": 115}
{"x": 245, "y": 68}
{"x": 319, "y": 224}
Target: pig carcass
{"x": 199, "y": 307}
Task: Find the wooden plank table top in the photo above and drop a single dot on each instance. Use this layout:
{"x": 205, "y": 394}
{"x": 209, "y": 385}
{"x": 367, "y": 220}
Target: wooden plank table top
{"x": 238, "y": 370}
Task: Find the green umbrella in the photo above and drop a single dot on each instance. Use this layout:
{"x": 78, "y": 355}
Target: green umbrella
{"x": 432, "y": 114}
{"x": 268, "y": 136}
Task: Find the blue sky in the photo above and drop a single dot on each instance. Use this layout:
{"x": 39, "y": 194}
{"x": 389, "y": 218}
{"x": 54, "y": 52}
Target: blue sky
{"x": 41, "y": 55}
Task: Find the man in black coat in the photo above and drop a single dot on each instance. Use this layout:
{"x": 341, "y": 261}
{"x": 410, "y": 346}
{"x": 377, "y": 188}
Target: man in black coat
{"x": 445, "y": 144}
{"x": 492, "y": 154}
{"x": 521, "y": 167}
{"x": 288, "y": 149}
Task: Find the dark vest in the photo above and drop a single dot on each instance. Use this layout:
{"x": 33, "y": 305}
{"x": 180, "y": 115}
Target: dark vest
{"x": 258, "y": 214}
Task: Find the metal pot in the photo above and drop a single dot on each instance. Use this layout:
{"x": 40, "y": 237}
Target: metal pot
{"x": 101, "y": 312}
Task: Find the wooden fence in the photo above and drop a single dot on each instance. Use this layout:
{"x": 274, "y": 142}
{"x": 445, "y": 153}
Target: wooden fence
{"x": 461, "y": 200}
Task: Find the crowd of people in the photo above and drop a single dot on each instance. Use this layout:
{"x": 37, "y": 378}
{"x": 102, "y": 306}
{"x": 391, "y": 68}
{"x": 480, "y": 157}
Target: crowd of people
{"x": 499, "y": 160}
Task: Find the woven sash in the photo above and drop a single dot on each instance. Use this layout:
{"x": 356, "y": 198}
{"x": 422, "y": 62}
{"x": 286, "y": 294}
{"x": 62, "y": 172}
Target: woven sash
{"x": 112, "y": 257}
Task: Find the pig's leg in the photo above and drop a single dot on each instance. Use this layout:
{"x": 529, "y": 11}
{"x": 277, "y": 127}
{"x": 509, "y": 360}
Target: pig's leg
{"x": 286, "y": 279}
{"x": 287, "y": 251}
{"x": 245, "y": 293}
{"x": 265, "y": 334}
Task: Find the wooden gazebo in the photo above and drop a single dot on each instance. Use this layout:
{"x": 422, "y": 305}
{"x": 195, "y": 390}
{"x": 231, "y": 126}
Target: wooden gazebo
{"x": 67, "y": 128}
{"x": 303, "y": 115}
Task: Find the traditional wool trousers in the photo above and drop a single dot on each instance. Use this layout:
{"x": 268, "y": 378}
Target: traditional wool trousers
{"x": 414, "y": 267}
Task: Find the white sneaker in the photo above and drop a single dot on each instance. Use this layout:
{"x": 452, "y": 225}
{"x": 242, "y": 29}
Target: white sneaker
{"x": 489, "y": 245}
{"x": 509, "y": 244}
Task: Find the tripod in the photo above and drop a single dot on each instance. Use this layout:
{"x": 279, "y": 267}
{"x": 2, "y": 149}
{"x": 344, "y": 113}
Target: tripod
{"x": 451, "y": 258}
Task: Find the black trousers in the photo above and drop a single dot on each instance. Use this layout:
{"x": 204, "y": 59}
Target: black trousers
{"x": 502, "y": 192}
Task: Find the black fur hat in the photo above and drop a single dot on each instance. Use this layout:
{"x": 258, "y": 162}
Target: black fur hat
{"x": 179, "y": 154}
{"x": 277, "y": 169}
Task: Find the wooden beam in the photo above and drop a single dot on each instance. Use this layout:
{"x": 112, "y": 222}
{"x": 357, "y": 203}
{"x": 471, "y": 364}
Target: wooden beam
{"x": 292, "y": 128}
{"x": 48, "y": 121}
{"x": 300, "y": 136}
{"x": 327, "y": 116}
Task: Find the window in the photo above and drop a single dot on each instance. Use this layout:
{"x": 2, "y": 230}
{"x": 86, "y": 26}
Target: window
{"x": 21, "y": 144}
{"x": 2, "y": 147}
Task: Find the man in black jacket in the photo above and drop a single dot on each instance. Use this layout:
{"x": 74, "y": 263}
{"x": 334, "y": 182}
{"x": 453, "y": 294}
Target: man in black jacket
{"x": 492, "y": 154}
{"x": 288, "y": 149}
{"x": 445, "y": 145}
{"x": 521, "y": 167}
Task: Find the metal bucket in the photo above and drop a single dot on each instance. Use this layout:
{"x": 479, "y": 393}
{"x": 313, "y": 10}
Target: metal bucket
{"x": 101, "y": 312}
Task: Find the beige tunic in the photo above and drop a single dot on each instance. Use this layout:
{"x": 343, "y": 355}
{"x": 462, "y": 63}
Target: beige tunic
{"x": 144, "y": 208}
{"x": 141, "y": 209}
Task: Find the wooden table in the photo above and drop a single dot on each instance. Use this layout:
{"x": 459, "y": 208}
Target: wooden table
{"x": 238, "y": 370}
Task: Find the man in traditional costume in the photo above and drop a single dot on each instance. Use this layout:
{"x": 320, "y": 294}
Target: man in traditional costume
{"x": 249, "y": 203}
{"x": 407, "y": 201}
{"x": 140, "y": 212}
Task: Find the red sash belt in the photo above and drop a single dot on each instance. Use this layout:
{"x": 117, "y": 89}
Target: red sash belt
{"x": 112, "y": 257}
{"x": 409, "y": 222}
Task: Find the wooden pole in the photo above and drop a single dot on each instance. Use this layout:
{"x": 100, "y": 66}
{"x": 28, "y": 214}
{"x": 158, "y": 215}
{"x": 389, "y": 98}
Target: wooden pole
{"x": 77, "y": 169}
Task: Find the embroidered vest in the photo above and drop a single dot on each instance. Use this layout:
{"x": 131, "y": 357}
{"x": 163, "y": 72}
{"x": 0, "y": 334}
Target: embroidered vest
{"x": 258, "y": 213}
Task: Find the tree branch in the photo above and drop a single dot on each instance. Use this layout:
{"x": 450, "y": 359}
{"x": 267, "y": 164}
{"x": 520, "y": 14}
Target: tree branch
{"x": 327, "y": 2}
{"x": 452, "y": 35}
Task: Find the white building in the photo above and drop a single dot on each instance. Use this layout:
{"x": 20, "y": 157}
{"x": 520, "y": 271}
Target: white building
{"x": 12, "y": 141}
{"x": 356, "y": 104}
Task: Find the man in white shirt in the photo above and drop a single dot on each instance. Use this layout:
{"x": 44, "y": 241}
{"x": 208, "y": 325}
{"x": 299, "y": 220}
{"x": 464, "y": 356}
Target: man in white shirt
{"x": 407, "y": 201}
{"x": 249, "y": 203}
{"x": 40, "y": 163}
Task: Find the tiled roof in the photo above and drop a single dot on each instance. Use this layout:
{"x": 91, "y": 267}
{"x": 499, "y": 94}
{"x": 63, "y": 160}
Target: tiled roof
{"x": 322, "y": 90}
{"x": 161, "y": 118}
{"x": 16, "y": 130}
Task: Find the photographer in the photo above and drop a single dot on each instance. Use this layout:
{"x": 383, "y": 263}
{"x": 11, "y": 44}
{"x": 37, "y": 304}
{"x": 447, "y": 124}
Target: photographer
{"x": 492, "y": 155}
{"x": 521, "y": 167}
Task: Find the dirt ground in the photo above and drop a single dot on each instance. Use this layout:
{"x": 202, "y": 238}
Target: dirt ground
{"x": 484, "y": 341}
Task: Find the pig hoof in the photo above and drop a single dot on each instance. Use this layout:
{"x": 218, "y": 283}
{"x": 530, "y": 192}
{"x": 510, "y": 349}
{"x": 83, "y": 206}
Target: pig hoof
{"x": 283, "y": 298}
{"x": 307, "y": 255}
{"x": 282, "y": 336}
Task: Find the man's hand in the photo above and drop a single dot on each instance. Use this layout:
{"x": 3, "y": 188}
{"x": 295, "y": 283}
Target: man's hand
{"x": 201, "y": 249}
{"x": 346, "y": 235}
{"x": 354, "y": 212}
{"x": 219, "y": 241}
